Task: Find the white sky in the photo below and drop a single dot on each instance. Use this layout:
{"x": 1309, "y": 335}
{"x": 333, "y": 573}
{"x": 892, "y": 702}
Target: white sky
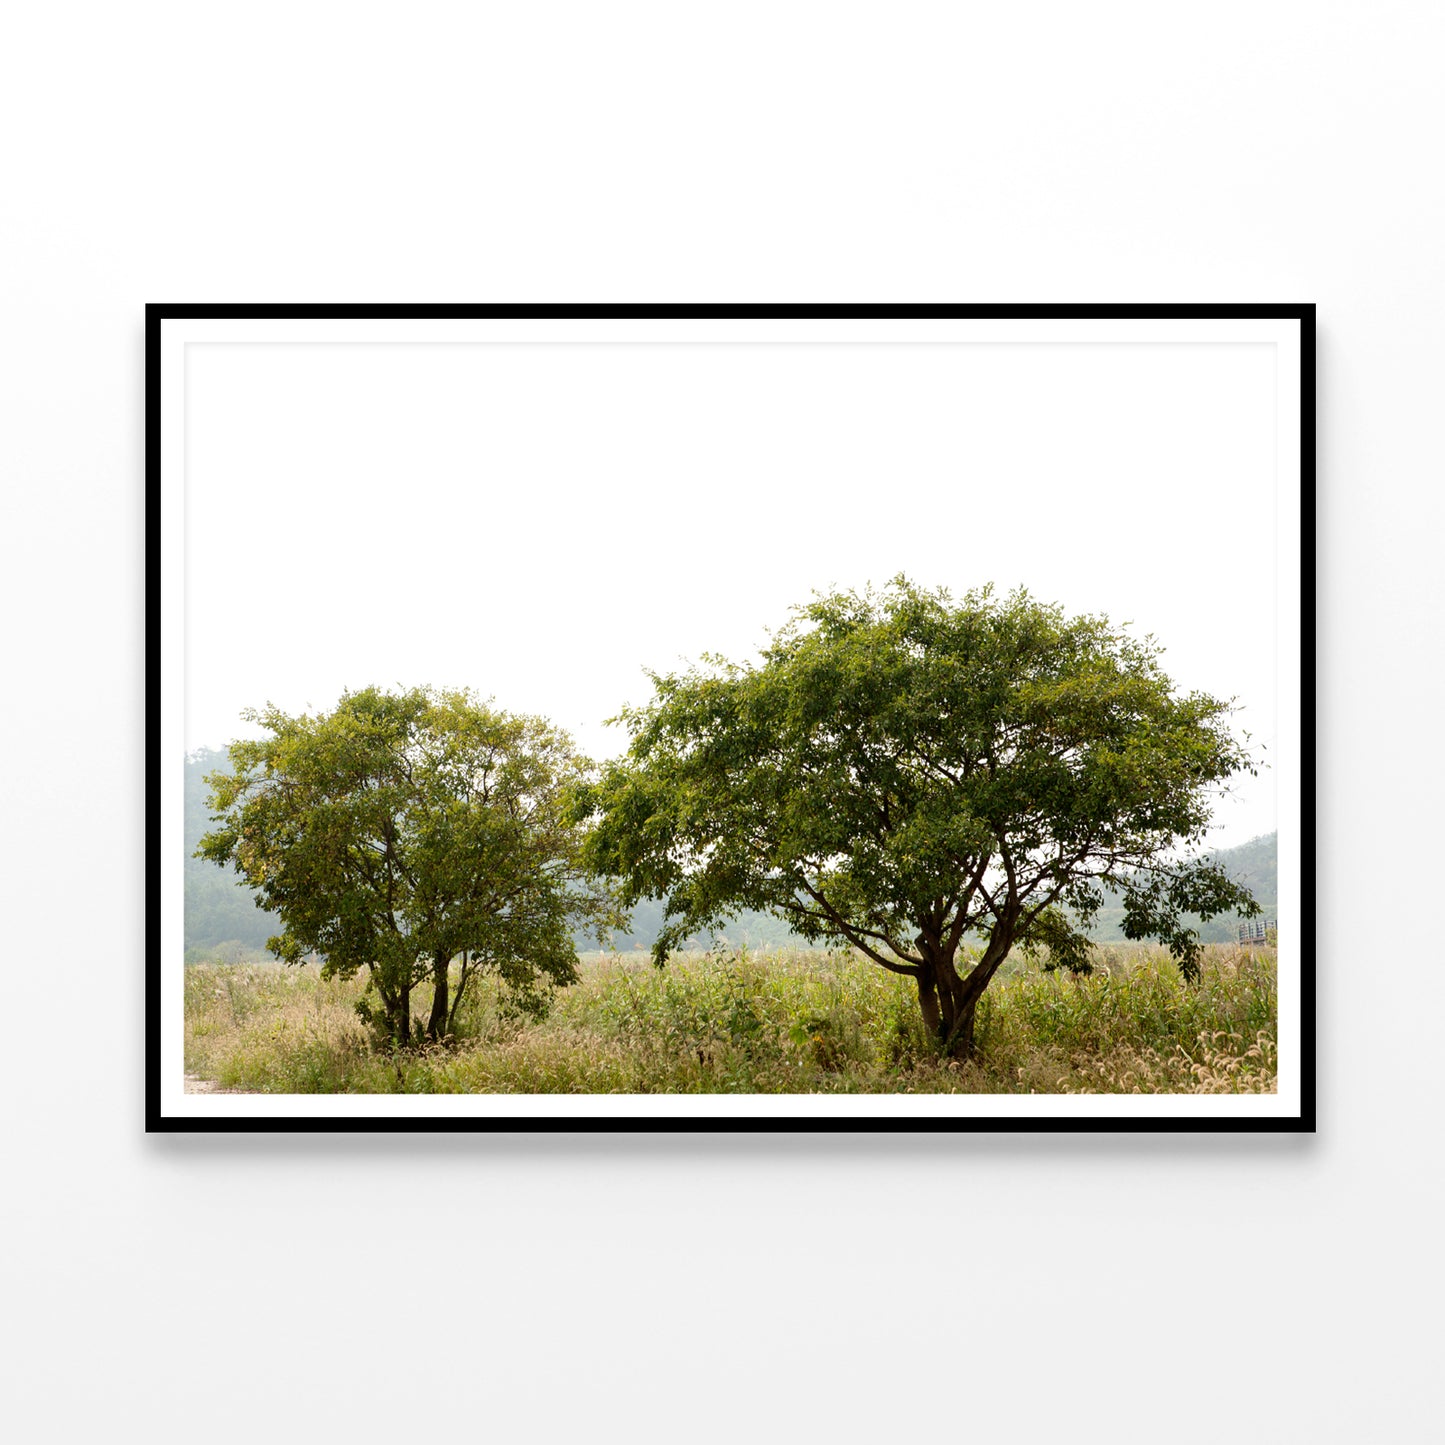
{"x": 542, "y": 522}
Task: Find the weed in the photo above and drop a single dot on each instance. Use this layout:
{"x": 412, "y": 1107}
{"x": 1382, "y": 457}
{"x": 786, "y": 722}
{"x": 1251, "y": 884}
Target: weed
{"x": 788, "y": 1021}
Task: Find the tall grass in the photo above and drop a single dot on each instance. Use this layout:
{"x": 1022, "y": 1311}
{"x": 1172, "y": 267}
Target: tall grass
{"x": 787, "y": 1021}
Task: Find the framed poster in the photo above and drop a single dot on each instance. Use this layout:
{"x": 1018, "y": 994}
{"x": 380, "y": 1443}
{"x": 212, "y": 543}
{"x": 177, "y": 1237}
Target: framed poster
{"x": 731, "y": 717}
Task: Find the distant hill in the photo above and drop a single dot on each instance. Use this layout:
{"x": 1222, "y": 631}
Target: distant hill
{"x": 754, "y": 930}
{"x": 1253, "y": 864}
{"x": 223, "y": 921}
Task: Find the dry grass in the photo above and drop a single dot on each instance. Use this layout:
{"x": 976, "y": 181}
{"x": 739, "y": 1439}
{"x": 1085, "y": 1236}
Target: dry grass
{"x": 789, "y": 1021}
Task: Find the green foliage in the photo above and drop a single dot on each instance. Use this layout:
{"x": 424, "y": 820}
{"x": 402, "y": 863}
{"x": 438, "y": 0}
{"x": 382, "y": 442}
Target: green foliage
{"x": 1253, "y": 866}
{"x": 1061, "y": 944}
{"x": 403, "y": 830}
{"x": 901, "y": 771}
{"x": 1153, "y": 908}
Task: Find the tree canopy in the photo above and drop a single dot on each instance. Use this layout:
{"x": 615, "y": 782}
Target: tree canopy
{"x": 902, "y": 772}
{"x": 402, "y": 831}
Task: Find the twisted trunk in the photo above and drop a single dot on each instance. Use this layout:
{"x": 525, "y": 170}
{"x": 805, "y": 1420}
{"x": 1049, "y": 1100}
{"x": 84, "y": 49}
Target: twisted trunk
{"x": 949, "y": 1003}
{"x": 940, "y": 997}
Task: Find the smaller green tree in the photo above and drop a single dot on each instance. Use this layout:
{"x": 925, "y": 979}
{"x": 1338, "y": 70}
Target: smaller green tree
{"x": 903, "y": 772}
{"x": 401, "y": 832}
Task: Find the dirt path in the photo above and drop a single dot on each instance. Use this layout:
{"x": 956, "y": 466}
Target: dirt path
{"x": 195, "y": 1084}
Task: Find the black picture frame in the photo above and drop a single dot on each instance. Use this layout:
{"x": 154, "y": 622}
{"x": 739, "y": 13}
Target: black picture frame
{"x": 157, "y": 1119}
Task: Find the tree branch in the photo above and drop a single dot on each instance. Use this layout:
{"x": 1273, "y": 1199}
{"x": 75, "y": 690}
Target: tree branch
{"x": 855, "y": 936}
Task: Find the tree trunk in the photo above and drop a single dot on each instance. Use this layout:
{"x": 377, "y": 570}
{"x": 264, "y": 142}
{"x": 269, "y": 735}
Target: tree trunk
{"x": 939, "y": 992}
{"x": 436, "y": 1025}
{"x": 395, "y": 1006}
{"x": 950, "y": 992}
{"x": 462, "y": 980}
{"x": 960, "y": 1004}
{"x": 959, "y": 1044}
{"x": 949, "y": 1004}
{"x": 401, "y": 1017}
{"x": 928, "y": 1004}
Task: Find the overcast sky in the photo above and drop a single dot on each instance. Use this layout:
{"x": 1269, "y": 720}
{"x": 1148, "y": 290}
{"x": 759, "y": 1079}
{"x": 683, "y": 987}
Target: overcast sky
{"x": 543, "y": 522}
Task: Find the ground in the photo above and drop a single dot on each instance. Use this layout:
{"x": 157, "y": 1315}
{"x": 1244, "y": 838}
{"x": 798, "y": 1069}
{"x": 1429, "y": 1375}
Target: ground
{"x": 732, "y": 1021}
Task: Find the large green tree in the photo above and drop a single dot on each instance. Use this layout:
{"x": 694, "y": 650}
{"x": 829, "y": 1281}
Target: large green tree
{"x": 903, "y": 772}
{"x": 401, "y": 832}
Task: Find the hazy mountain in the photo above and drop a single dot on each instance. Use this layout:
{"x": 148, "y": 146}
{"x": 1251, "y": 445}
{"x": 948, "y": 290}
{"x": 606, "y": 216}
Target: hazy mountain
{"x": 1254, "y": 864}
{"x": 754, "y": 930}
{"x": 222, "y": 919}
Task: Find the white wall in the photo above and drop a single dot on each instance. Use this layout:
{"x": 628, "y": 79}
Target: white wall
{"x": 1109, "y": 1289}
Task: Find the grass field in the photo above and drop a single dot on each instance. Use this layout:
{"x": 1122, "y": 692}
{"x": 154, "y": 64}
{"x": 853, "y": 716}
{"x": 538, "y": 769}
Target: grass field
{"x": 787, "y": 1021}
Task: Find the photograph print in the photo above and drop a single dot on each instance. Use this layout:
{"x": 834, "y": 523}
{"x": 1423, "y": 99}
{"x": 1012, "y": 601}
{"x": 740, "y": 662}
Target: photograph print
{"x": 742, "y": 718}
